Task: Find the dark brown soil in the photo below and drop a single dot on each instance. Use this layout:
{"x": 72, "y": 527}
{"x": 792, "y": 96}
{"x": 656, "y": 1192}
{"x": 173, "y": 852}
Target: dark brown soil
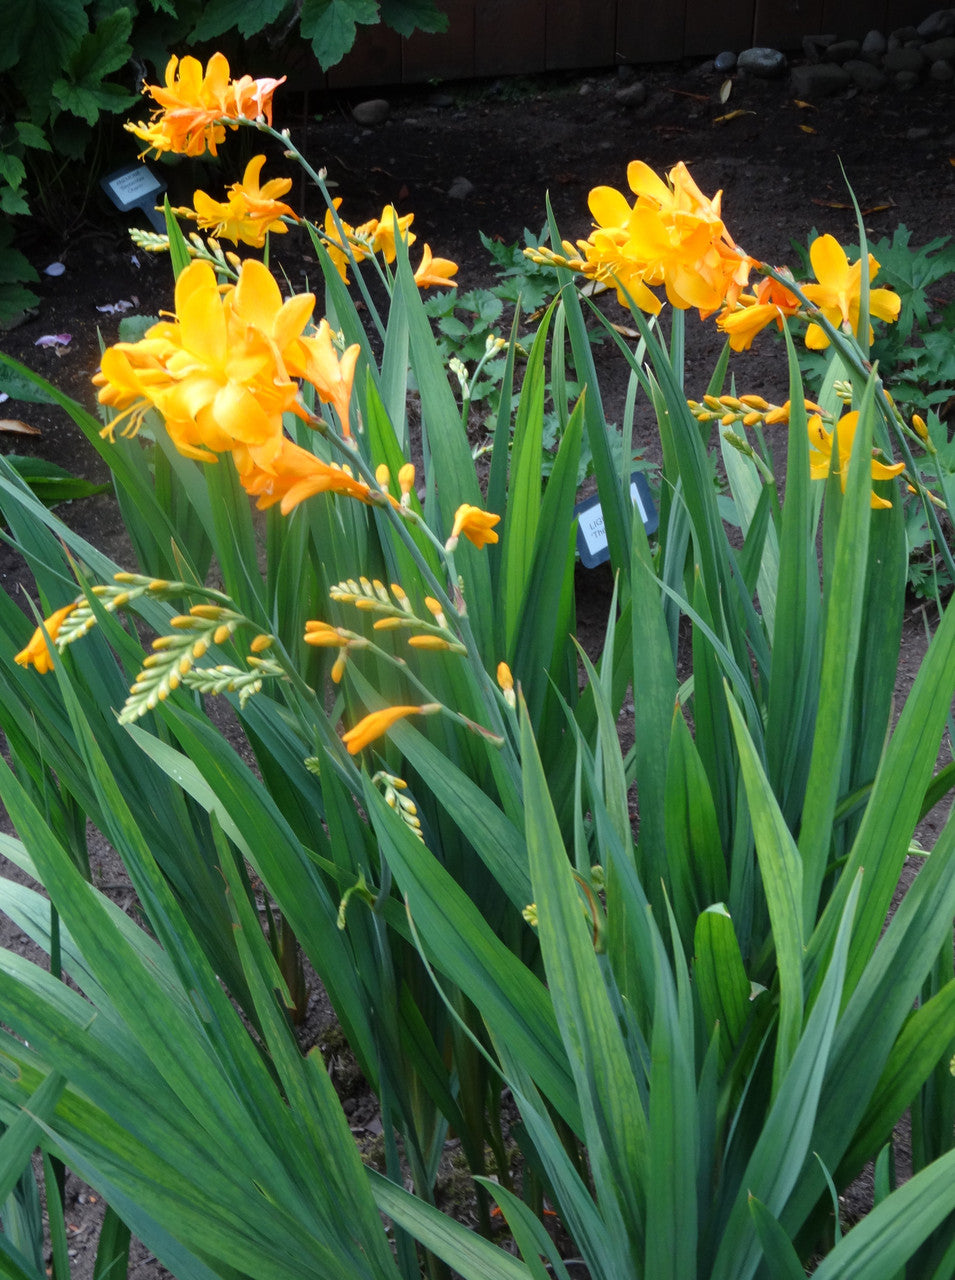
{"x": 779, "y": 162}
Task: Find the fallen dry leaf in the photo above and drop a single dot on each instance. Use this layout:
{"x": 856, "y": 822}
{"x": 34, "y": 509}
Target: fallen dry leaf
{"x": 733, "y": 115}
{"x": 726, "y": 88}
{"x": 17, "y": 428}
{"x": 807, "y": 128}
{"x": 805, "y": 106}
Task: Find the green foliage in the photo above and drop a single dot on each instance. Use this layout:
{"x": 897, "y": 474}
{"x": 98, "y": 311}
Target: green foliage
{"x": 469, "y": 324}
{"x": 701, "y": 1017}
{"x": 67, "y": 64}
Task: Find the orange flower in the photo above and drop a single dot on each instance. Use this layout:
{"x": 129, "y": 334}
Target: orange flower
{"x": 435, "y": 271}
{"x": 382, "y": 232}
{"x": 221, "y": 372}
{"x": 838, "y": 293}
{"x": 293, "y": 475}
{"x": 250, "y": 211}
{"x": 673, "y": 235}
{"x": 336, "y": 241}
{"x": 329, "y": 373}
{"x": 38, "y": 652}
{"x": 753, "y": 312}
{"x": 476, "y": 525}
{"x": 820, "y": 454}
{"x": 193, "y": 108}
{"x": 379, "y": 722}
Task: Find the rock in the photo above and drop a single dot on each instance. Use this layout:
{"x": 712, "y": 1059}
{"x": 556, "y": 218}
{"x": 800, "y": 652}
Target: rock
{"x": 841, "y": 51}
{"x": 939, "y": 23}
{"x": 632, "y": 95}
{"x": 374, "y": 111}
{"x": 626, "y": 73}
{"x": 942, "y": 71}
{"x": 765, "y": 64}
{"x": 918, "y": 133}
{"x": 441, "y": 100}
{"x": 819, "y": 80}
{"x": 905, "y": 59}
{"x": 460, "y": 189}
{"x": 724, "y": 62}
{"x": 865, "y": 76}
{"x": 873, "y": 46}
{"x": 906, "y": 79}
{"x": 935, "y": 50}
{"x": 815, "y": 46}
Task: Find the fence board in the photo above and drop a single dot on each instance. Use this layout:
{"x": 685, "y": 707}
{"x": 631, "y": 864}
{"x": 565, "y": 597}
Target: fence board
{"x": 712, "y": 27}
{"x": 509, "y": 37}
{"x": 581, "y": 34}
{"x": 445, "y": 55}
{"x": 781, "y": 24}
{"x": 376, "y": 59}
{"x": 513, "y": 37}
{"x": 648, "y": 31}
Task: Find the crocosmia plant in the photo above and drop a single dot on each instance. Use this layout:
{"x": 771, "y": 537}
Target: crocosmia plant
{"x": 625, "y": 962}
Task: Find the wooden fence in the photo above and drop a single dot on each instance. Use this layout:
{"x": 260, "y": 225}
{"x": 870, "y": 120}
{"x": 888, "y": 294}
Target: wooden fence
{"x": 514, "y": 37}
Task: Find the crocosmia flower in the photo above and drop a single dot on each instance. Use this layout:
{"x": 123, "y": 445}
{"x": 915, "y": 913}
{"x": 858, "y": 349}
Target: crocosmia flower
{"x": 249, "y": 212}
{"x": 37, "y": 652}
{"x": 753, "y": 312}
{"x": 194, "y": 106}
{"x": 223, "y": 370}
{"x": 476, "y": 525}
{"x": 838, "y": 291}
{"x": 821, "y": 460}
{"x": 672, "y": 235}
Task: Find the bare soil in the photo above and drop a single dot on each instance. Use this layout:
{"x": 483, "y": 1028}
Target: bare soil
{"x": 782, "y": 165}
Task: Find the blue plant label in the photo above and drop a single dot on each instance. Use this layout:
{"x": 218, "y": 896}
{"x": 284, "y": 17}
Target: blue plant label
{"x": 135, "y": 186}
{"x": 591, "y": 534}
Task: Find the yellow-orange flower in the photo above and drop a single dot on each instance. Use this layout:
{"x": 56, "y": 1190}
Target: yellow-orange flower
{"x": 753, "y": 312}
{"x": 38, "y": 652}
{"x": 329, "y": 373}
{"x": 476, "y": 525}
{"x": 672, "y": 235}
{"x": 433, "y": 271}
{"x": 820, "y": 454}
{"x": 250, "y": 210}
{"x": 293, "y": 475}
{"x": 379, "y": 722}
{"x": 382, "y": 232}
{"x": 838, "y": 291}
{"x": 217, "y": 377}
{"x": 193, "y": 107}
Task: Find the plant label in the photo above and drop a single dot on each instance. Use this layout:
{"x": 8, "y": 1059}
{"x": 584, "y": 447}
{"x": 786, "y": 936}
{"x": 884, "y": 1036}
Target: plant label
{"x": 591, "y": 534}
{"x": 135, "y": 186}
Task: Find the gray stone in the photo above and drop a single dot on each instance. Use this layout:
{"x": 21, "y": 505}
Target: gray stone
{"x": 374, "y": 111}
{"x": 906, "y": 79}
{"x": 841, "y": 51}
{"x": 918, "y": 133}
{"x": 632, "y": 95}
{"x": 460, "y": 189}
{"x": 902, "y": 36}
{"x": 819, "y": 80}
{"x": 905, "y": 60}
{"x": 865, "y": 76}
{"x": 942, "y": 71}
{"x": 725, "y": 61}
{"x": 814, "y": 46}
{"x": 626, "y": 73}
{"x": 944, "y": 47}
{"x": 873, "y": 46}
{"x": 765, "y": 64}
{"x": 939, "y": 23}
{"x": 441, "y": 100}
